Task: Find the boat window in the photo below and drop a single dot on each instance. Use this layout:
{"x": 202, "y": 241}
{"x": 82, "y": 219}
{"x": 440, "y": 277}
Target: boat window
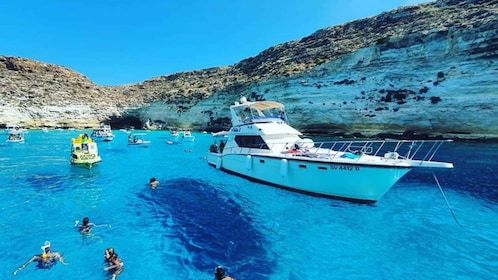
{"x": 255, "y": 142}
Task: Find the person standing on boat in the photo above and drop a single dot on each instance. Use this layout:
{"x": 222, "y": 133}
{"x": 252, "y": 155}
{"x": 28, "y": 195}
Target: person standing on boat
{"x": 213, "y": 148}
{"x": 84, "y": 142}
{"x": 222, "y": 146}
{"x": 47, "y": 259}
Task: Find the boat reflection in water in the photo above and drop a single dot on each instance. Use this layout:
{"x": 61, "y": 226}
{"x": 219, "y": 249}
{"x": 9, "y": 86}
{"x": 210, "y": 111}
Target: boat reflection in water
{"x": 263, "y": 147}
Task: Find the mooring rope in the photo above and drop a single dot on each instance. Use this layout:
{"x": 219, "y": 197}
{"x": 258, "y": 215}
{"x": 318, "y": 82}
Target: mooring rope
{"x": 445, "y": 199}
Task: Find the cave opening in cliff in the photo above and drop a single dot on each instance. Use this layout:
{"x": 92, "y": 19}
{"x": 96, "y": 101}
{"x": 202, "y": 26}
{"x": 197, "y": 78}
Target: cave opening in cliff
{"x": 126, "y": 122}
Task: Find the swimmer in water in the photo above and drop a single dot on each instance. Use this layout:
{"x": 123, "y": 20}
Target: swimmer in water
{"x": 85, "y": 227}
{"x": 45, "y": 260}
{"x": 115, "y": 264}
{"x": 219, "y": 274}
{"x": 153, "y": 182}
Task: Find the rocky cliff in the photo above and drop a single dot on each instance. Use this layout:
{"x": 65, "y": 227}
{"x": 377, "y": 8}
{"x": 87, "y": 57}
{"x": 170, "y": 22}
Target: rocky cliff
{"x": 417, "y": 71}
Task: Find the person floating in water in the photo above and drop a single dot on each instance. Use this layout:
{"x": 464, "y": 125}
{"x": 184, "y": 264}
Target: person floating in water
{"x": 47, "y": 259}
{"x": 219, "y": 274}
{"x": 115, "y": 264}
{"x": 153, "y": 182}
{"x": 85, "y": 226}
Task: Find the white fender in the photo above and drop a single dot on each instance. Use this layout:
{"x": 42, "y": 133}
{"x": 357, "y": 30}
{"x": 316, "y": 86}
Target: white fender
{"x": 218, "y": 163}
{"x": 284, "y": 166}
{"x": 248, "y": 162}
{"x": 391, "y": 155}
{"x": 308, "y": 143}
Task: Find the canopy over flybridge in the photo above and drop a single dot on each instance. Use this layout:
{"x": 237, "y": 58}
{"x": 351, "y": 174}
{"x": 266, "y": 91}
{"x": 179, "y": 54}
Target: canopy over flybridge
{"x": 245, "y": 112}
{"x": 260, "y": 105}
{"x": 265, "y": 105}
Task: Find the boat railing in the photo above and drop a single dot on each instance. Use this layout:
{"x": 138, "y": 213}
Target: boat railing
{"x": 423, "y": 150}
{"x": 417, "y": 150}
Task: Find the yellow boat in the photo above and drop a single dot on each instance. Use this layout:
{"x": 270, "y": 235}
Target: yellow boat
{"x": 84, "y": 152}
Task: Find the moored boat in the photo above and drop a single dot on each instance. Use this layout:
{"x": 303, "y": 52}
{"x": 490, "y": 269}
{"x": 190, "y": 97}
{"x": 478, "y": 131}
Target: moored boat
{"x": 262, "y": 146}
{"x": 84, "y": 152}
{"x": 15, "y": 137}
{"x": 103, "y": 133}
{"x": 15, "y": 129}
{"x": 187, "y": 136}
{"x": 138, "y": 139}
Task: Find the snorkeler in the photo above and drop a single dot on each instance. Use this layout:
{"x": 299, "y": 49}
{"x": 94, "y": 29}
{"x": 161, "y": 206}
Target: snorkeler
{"x": 219, "y": 274}
{"x": 115, "y": 264}
{"x": 47, "y": 259}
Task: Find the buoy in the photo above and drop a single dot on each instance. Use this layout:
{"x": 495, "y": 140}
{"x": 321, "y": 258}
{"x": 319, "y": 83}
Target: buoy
{"x": 284, "y": 166}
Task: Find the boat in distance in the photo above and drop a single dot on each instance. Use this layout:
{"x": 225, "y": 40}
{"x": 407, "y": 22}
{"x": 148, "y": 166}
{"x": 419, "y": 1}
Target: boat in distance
{"x": 84, "y": 152}
{"x": 16, "y": 136}
{"x": 138, "y": 139}
{"x": 263, "y": 147}
{"x": 103, "y": 133}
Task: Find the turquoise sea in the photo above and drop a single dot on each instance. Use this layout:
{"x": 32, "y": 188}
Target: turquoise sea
{"x": 199, "y": 217}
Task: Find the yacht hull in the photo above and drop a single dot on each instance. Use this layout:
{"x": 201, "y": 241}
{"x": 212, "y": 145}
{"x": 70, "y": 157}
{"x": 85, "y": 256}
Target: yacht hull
{"x": 363, "y": 183}
{"x": 87, "y": 164}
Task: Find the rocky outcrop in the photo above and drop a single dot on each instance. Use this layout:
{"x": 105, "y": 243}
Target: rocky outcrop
{"x": 420, "y": 71}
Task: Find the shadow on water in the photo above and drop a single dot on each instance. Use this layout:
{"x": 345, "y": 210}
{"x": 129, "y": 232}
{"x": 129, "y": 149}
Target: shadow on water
{"x": 41, "y": 182}
{"x": 211, "y": 226}
{"x": 61, "y": 182}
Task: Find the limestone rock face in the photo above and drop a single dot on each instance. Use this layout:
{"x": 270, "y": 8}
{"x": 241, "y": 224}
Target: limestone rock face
{"x": 425, "y": 70}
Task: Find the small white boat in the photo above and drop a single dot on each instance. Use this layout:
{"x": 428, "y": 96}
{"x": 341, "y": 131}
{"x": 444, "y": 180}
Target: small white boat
{"x": 16, "y": 137}
{"x": 103, "y": 133}
{"x": 263, "y": 147}
{"x": 175, "y": 137}
{"x": 187, "y": 136}
{"x": 138, "y": 139}
{"x": 84, "y": 152}
{"x": 14, "y": 128}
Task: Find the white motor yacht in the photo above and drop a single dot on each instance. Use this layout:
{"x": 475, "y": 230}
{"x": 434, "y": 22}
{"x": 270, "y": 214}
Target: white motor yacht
{"x": 262, "y": 146}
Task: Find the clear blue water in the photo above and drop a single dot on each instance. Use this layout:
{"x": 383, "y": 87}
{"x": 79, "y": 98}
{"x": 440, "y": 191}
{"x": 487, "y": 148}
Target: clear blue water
{"x": 199, "y": 217}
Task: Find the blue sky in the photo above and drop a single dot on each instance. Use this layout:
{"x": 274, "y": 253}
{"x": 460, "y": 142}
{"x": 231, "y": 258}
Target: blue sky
{"x": 123, "y": 42}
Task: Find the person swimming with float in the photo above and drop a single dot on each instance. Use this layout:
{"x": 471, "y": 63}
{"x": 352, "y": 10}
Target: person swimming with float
{"x": 45, "y": 260}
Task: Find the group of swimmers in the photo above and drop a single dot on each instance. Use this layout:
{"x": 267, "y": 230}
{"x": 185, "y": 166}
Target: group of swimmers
{"x": 47, "y": 258}
{"x": 113, "y": 263}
